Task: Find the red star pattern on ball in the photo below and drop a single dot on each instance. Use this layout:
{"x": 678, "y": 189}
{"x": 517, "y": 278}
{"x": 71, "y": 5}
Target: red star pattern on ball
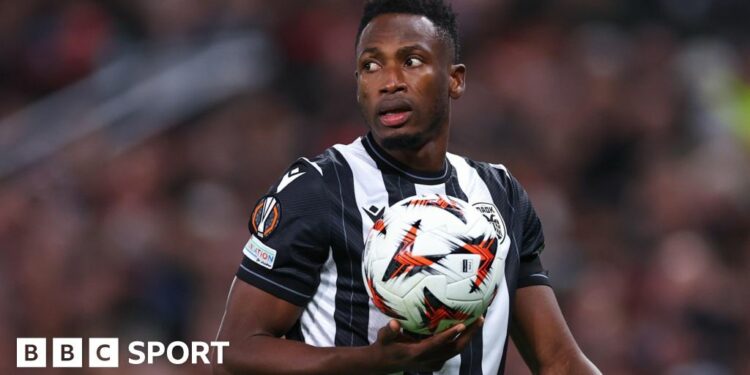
{"x": 486, "y": 249}
{"x": 435, "y": 311}
{"x": 379, "y": 301}
{"x": 439, "y": 202}
{"x": 379, "y": 226}
{"x": 404, "y": 261}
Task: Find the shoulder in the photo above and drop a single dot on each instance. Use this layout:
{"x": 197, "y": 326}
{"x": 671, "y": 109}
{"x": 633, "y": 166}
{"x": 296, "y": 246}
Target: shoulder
{"x": 302, "y": 175}
{"x": 300, "y": 188}
{"x": 312, "y": 175}
{"x": 299, "y": 196}
{"x": 333, "y": 157}
{"x": 353, "y": 154}
{"x": 497, "y": 171}
{"x": 493, "y": 173}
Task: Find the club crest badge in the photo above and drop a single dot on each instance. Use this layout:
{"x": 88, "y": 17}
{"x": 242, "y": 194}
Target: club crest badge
{"x": 490, "y": 212}
{"x": 265, "y": 217}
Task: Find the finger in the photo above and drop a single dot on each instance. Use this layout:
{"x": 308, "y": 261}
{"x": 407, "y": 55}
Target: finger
{"x": 459, "y": 342}
{"x": 404, "y": 336}
{"x": 466, "y": 336}
{"x": 394, "y": 325}
{"x": 477, "y": 323}
{"x": 389, "y": 332}
{"x": 446, "y": 336}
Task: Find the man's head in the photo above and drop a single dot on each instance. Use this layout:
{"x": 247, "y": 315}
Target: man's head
{"x": 440, "y": 14}
{"x": 406, "y": 70}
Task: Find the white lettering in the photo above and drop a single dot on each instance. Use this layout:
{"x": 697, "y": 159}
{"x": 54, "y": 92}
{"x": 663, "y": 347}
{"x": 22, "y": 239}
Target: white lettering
{"x": 220, "y": 345}
{"x": 132, "y": 348}
{"x": 155, "y": 349}
{"x": 199, "y": 349}
{"x": 170, "y": 353}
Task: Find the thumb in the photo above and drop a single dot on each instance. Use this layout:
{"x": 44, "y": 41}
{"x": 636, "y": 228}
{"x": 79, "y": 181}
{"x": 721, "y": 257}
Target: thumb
{"x": 389, "y": 332}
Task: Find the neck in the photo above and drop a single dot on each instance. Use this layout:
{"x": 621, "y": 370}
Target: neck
{"x": 430, "y": 157}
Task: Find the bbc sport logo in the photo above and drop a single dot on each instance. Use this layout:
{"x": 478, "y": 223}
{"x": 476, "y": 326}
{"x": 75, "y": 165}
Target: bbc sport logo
{"x": 105, "y": 352}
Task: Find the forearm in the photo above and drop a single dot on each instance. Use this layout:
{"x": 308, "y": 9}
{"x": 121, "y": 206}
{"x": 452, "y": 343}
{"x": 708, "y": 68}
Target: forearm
{"x": 556, "y": 359}
{"x": 271, "y": 355}
{"x": 543, "y": 338}
{"x": 573, "y": 363}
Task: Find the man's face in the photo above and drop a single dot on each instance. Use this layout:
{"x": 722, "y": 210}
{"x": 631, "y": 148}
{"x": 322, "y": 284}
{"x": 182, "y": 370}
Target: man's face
{"x": 405, "y": 79}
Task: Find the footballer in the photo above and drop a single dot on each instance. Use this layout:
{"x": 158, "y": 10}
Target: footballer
{"x": 298, "y": 303}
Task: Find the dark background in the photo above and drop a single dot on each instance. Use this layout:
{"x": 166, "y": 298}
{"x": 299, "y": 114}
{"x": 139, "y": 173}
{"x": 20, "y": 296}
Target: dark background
{"x": 135, "y": 136}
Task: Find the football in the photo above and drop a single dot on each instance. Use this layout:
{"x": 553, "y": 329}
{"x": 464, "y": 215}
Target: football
{"x": 430, "y": 262}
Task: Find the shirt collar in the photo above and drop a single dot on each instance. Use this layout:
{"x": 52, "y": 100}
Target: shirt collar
{"x": 386, "y": 161}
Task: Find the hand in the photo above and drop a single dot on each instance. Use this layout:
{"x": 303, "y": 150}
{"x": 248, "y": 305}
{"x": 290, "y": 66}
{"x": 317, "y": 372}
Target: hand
{"x": 399, "y": 352}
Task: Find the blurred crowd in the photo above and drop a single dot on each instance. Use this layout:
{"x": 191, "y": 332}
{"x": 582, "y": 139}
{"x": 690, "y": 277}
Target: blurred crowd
{"x": 627, "y": 121}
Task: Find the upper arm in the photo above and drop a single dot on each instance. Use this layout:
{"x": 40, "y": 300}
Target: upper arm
{"x": 538, "y": 328}
{"x": 290, "y": 236}
{"x": 537, "y": 325}
{"x": 251, "y": 312}
{"x": 539, "y": 331}
{"x": 280, "y": 268}
{"x": 530, "y": 235}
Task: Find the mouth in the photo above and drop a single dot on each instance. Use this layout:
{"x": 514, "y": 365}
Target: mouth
{"x": 394, "y": 113}
{"x": 394, "y": 119}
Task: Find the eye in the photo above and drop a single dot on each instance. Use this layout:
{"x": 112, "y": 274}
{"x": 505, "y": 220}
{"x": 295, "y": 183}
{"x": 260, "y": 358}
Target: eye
{"x": 370, "y": 66}
{"x": 414, "y": 62}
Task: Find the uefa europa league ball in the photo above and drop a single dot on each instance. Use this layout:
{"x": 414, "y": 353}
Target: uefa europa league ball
{"x": 430, "y": 263}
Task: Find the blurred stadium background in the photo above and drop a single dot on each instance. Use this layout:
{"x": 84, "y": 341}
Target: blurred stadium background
{"x": 135, "y": 135}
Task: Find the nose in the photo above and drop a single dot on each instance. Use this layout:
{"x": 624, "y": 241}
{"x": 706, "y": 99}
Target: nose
{"x": 394, "y": 81}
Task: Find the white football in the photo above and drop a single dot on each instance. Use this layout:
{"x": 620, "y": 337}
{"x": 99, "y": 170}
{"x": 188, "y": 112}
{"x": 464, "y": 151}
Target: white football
{"x": 430, "y": 262}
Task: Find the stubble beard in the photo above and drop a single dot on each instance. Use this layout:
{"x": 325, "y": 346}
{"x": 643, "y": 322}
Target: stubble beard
{"x": 417, "y": 140}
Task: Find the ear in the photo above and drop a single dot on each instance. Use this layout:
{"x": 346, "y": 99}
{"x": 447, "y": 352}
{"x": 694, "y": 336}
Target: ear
{"x": 458, "y": 80}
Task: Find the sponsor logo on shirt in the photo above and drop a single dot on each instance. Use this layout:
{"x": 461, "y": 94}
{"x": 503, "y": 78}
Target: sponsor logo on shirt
{"x": 259, "y": 253}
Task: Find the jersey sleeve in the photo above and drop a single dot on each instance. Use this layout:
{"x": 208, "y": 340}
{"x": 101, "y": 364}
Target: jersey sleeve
{"x": 289, "y": 236}
{"x": 531, "y": 271}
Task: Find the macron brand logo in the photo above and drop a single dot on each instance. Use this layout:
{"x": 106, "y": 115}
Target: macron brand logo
{"x": 289, "y": 178}
{"x": 374, "y": 213}
{"x": 259, "y": 253}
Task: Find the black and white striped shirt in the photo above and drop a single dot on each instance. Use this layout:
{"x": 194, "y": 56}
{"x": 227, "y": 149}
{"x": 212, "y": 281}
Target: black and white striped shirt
{"x": 308, "y": 235}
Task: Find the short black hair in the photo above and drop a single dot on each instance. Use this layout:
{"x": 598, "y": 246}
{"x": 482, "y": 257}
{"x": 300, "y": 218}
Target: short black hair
{"x": 441, "y": 15}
